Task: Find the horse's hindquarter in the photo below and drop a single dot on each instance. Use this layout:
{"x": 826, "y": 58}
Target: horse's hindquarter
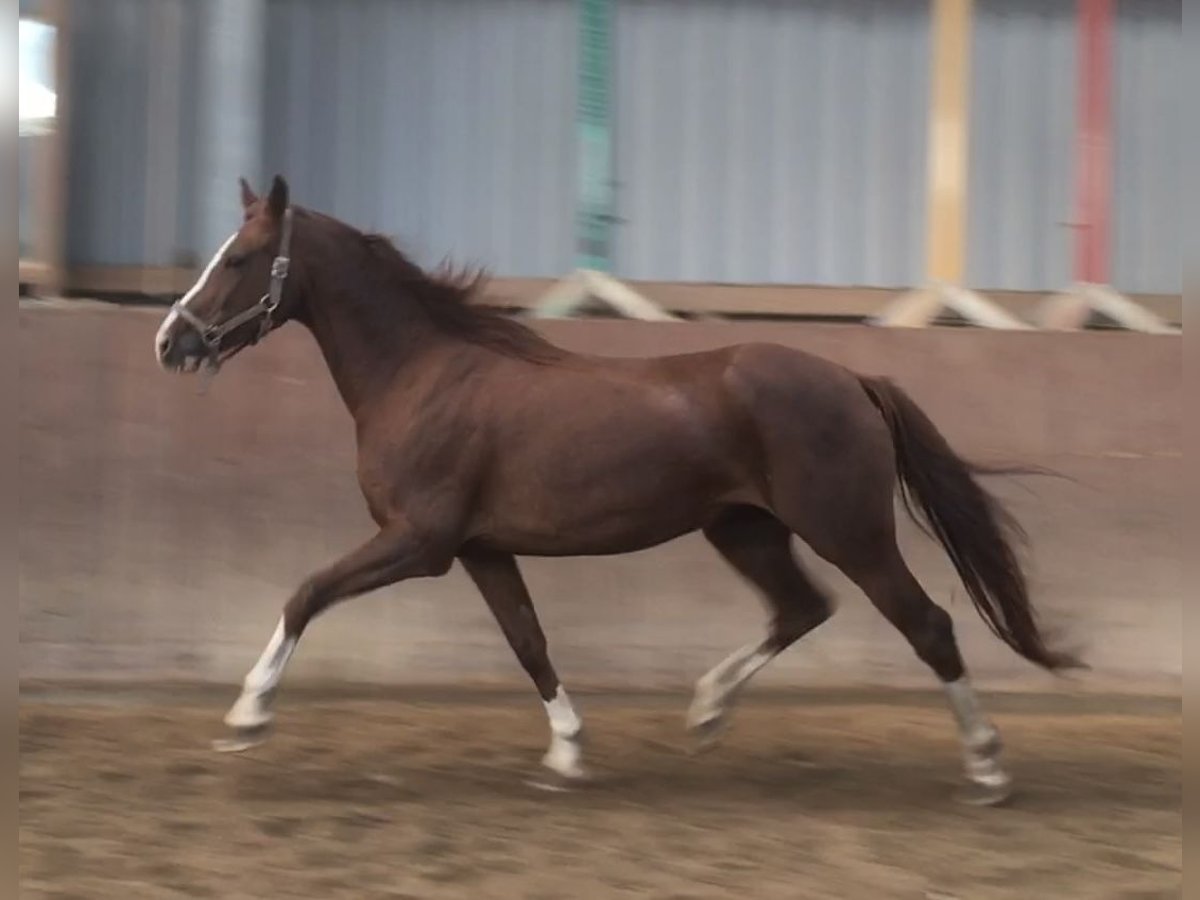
{"x": 605, "y": 456}
{"x": 825, "y": 451}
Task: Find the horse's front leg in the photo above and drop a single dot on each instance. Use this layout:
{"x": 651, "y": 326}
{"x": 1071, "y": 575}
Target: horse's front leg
{"x": 499, "y": 580}
{"x": 397, "y": 552}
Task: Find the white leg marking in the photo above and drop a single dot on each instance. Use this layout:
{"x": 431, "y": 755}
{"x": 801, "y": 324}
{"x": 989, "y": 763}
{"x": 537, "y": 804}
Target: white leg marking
{"x": 565, "y": 751}
{"x": 973, "y": 726}
{"x": 250, "y": 709}
{"x": 165, "y": 328}
{"x": 980, "y": 739}
{"x": 717, "y": 687}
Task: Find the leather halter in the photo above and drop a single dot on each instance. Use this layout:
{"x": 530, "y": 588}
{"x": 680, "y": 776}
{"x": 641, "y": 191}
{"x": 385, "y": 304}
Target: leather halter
{"x": 212, "y": 335}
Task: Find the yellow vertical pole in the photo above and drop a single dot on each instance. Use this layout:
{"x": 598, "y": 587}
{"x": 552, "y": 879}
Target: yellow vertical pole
{"x": 947, "y": 177}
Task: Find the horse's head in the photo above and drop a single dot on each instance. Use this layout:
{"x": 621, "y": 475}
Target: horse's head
{"x": 241, "y": 295}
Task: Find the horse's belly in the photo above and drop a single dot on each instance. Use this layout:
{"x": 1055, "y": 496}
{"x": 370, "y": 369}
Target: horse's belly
{"x": 538, "y": 521}
{"x": 592, "y": 473}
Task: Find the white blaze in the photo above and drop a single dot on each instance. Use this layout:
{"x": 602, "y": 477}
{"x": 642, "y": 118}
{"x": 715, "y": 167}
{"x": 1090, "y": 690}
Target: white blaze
{"x": 165, "y": 327}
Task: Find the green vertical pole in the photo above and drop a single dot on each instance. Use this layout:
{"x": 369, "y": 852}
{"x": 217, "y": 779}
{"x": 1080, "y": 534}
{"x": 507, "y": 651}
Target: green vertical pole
{"x": 594, "y": 210}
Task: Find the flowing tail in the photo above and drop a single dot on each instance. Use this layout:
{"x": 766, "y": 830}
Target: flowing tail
{"x": 939, "y": 491}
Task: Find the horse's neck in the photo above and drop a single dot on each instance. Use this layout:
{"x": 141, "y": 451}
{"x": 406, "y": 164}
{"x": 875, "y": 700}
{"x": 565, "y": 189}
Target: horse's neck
{"x": 365, "y": 343}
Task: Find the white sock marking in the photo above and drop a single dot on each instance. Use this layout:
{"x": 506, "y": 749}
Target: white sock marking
{"x": 722, "y": 681}
{"x": 249, "y": 710}
{"x": 965, "y": 706}
{"x": 564, "y": 753}
{"x": 977, "y": 733}
{"x": 269, "y": 669}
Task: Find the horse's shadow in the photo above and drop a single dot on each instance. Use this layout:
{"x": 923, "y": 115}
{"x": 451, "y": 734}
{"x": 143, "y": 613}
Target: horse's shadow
{"x": 1052, "y": 784}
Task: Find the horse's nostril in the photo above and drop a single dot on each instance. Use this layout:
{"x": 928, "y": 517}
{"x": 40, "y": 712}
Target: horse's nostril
{"x": 163, "y": 346}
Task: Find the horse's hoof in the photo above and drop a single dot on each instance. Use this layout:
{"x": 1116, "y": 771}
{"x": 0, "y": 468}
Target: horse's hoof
{"x": 707, "y": 734}
{"x": 975, "y": 793}
{"x": 250, "y": 712}
{"x": 555, "y": 782}
{"x": 242, "y": 739}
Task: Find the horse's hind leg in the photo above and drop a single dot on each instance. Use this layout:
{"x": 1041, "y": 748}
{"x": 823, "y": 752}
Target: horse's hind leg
{"x": 872, "y": 560}
{"x": 499, "y": 581}
{"x": 891, "y": 586}
{"x": 758, "y": 546}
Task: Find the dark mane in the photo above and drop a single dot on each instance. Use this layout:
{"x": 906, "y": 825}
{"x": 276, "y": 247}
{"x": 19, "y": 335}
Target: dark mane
{"x": 447, "y": 298}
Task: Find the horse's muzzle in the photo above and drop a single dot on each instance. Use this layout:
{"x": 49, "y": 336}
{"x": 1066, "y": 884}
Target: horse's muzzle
{"x": 178, "y": 346}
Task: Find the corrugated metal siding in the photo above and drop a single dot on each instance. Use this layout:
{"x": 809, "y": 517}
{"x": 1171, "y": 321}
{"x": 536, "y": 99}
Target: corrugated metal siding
{"x": 771, "y": 141}
{"x": 126, "y": 173}
{"x": 761, "y": 141}
{"x": 189, "y": 248}
{"x": 109, "y": 80}
{"x": 449, "y": 125}
{"x": 1021, "y": 181}
{"x": 232, "y": 39}
{"x": 1148, "y": 84}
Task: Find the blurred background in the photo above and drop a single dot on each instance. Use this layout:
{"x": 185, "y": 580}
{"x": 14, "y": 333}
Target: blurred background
{"x": 979, "y": 198}
{"x": 755, "y": 143}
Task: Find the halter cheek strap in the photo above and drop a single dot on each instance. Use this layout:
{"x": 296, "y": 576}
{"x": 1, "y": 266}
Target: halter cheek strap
{"x": 263, "y": 310}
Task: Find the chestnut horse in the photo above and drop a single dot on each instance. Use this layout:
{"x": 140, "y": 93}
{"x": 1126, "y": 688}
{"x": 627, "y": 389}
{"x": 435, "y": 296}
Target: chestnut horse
{"x": 480, "y": 441}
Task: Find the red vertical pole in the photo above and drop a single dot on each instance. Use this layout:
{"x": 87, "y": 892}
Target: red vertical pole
{"x": 1094, "y": 140}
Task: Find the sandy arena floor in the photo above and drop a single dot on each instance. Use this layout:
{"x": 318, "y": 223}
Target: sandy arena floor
{"x": 404, "y": 799}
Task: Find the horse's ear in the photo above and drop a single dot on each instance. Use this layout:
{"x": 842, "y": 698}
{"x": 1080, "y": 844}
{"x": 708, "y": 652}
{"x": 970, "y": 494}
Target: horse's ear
{"x": 248, "y": 195}
{"x": 277, "y": 200}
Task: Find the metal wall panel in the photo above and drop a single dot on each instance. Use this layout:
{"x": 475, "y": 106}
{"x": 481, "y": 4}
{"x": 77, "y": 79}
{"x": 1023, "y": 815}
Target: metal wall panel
{"x": 449, "y": 124}
{"x": 772, "y": 140}
{"x": 1148, "y": 85}
{"x": 132, "y": 135}
{"x": 1022, "y": 187}
{"x": 1021, "y": 184}
{"x": 757, "y": 141}
{"x": 109, "y": 79}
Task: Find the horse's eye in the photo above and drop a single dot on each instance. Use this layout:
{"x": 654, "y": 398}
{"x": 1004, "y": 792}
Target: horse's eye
{"x": 234, "y": 261}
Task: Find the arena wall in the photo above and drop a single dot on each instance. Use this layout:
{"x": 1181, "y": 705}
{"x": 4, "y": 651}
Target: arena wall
{"x": 163, "y": 528}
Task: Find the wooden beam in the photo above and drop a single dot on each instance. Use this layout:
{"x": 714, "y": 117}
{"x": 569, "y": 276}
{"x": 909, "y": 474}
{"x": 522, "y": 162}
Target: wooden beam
{"x": 45, "y": 269}
{"x": 948, "y": 141}
{"x": 31, "y": 271}
{"x": 1093, "y": 140}
{"x": 594, "y": 198}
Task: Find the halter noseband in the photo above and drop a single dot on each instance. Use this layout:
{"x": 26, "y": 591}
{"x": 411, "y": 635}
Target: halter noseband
{"x": 212, "y": 335}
